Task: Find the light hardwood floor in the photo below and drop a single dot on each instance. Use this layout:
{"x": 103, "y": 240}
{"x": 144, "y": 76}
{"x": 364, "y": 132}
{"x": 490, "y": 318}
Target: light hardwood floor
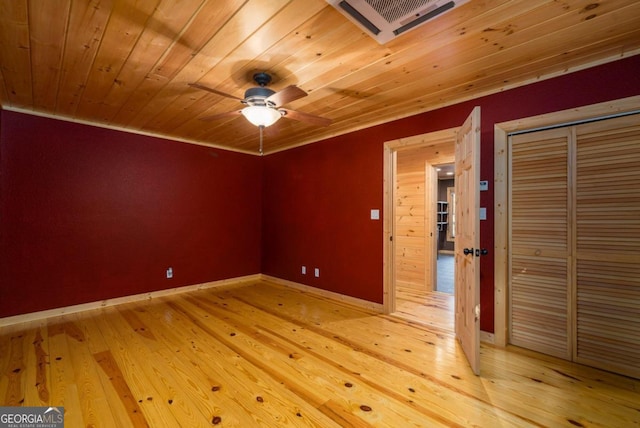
{"x": 432, "y": 309}
{"x": 260, "y": 354}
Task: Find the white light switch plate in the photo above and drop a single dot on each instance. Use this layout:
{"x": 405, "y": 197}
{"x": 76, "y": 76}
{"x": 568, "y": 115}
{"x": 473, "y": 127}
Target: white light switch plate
{"x": 375, "y": 214}
{"x": 483, "y": 213}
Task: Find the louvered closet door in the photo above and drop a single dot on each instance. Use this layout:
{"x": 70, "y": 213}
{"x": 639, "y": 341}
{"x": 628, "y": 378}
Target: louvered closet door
{"x": 608, "y": 244}
{"x": 540, "y": 268}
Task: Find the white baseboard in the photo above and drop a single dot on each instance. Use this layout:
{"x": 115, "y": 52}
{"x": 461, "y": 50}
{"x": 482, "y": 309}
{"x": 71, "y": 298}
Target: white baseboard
{"x": 34, "y": 316}
{"x": 354, "y": 301}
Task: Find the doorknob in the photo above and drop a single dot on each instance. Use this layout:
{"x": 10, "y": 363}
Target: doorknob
{"x": 477, "y": 252}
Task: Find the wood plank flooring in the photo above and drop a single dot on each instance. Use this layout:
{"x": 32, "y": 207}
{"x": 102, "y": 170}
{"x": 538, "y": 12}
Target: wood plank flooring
{"x": 432, "y": 309}
{"x": 260, "y": 354}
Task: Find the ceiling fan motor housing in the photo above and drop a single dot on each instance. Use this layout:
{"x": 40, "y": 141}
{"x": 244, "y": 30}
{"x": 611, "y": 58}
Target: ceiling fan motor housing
{"x": 258, "y": 96}
{"x": 262, "y": 78}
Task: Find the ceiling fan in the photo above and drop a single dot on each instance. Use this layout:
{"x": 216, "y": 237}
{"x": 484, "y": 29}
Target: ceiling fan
{"x": 263, "y": 105}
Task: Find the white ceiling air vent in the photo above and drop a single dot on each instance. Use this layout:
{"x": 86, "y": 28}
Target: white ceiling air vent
{"x": 387, "y": 19}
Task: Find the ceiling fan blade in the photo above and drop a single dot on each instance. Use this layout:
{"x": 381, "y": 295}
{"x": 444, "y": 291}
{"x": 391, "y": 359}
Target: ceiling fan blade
{"x": 221, "y": 115}
{"x": 288, "y": 94}
{"x": 306, "y": 117}
{"x": 213, "y": 91}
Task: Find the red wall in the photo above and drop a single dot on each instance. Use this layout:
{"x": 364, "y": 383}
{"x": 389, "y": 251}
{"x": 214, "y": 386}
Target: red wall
{"x": 317, "y": 198}
{"x": 89, "y": 214}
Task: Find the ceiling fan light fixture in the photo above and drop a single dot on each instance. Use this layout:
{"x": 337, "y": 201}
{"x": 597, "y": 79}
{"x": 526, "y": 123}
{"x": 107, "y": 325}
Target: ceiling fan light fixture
{"x": 261, "y": 115}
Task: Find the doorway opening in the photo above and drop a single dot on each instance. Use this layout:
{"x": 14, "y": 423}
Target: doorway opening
{"x": 420, "y": 219}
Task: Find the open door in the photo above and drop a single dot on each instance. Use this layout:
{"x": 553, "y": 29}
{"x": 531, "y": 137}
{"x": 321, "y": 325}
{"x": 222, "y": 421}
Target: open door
{"x": 467, "y": 251}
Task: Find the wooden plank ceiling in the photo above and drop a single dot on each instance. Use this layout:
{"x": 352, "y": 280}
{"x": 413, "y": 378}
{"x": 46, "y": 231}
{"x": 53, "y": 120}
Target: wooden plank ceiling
{"x": 127, "y": 64}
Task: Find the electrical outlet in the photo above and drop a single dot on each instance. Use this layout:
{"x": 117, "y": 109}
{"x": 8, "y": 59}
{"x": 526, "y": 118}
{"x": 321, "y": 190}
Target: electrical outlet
{"x": 316, "y": 272}
{"x": 304, "y": 270}
{"x": 169, "y": 273}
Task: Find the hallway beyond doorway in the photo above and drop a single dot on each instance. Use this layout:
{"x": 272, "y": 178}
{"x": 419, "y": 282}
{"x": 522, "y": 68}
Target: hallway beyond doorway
{"x": 446, "y": 265}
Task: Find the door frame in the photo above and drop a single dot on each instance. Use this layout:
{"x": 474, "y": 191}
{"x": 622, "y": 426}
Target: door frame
{"x": 391, "y": 149}
{"x": 501, "y": 189}
{"x": 430, "y": 224}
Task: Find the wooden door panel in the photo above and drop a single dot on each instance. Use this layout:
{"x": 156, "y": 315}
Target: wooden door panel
{"x": 540, "y": 273}
{"x": 608, "y": 244}
{"x": 467, "y": 266}
{"x": 539, "y": 310}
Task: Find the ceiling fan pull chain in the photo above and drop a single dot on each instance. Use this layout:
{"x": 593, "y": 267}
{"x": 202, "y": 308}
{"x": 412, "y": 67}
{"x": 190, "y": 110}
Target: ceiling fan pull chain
{"x": 261, "y": 129}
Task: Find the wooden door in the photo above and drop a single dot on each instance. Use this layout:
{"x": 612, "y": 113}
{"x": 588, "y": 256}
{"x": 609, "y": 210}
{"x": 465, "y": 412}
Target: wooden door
{"x": 607, "y": 245}
{"x": 467, "y": 251}
{"x": 574, "y": 240}
{"x": 540, "y": 274}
